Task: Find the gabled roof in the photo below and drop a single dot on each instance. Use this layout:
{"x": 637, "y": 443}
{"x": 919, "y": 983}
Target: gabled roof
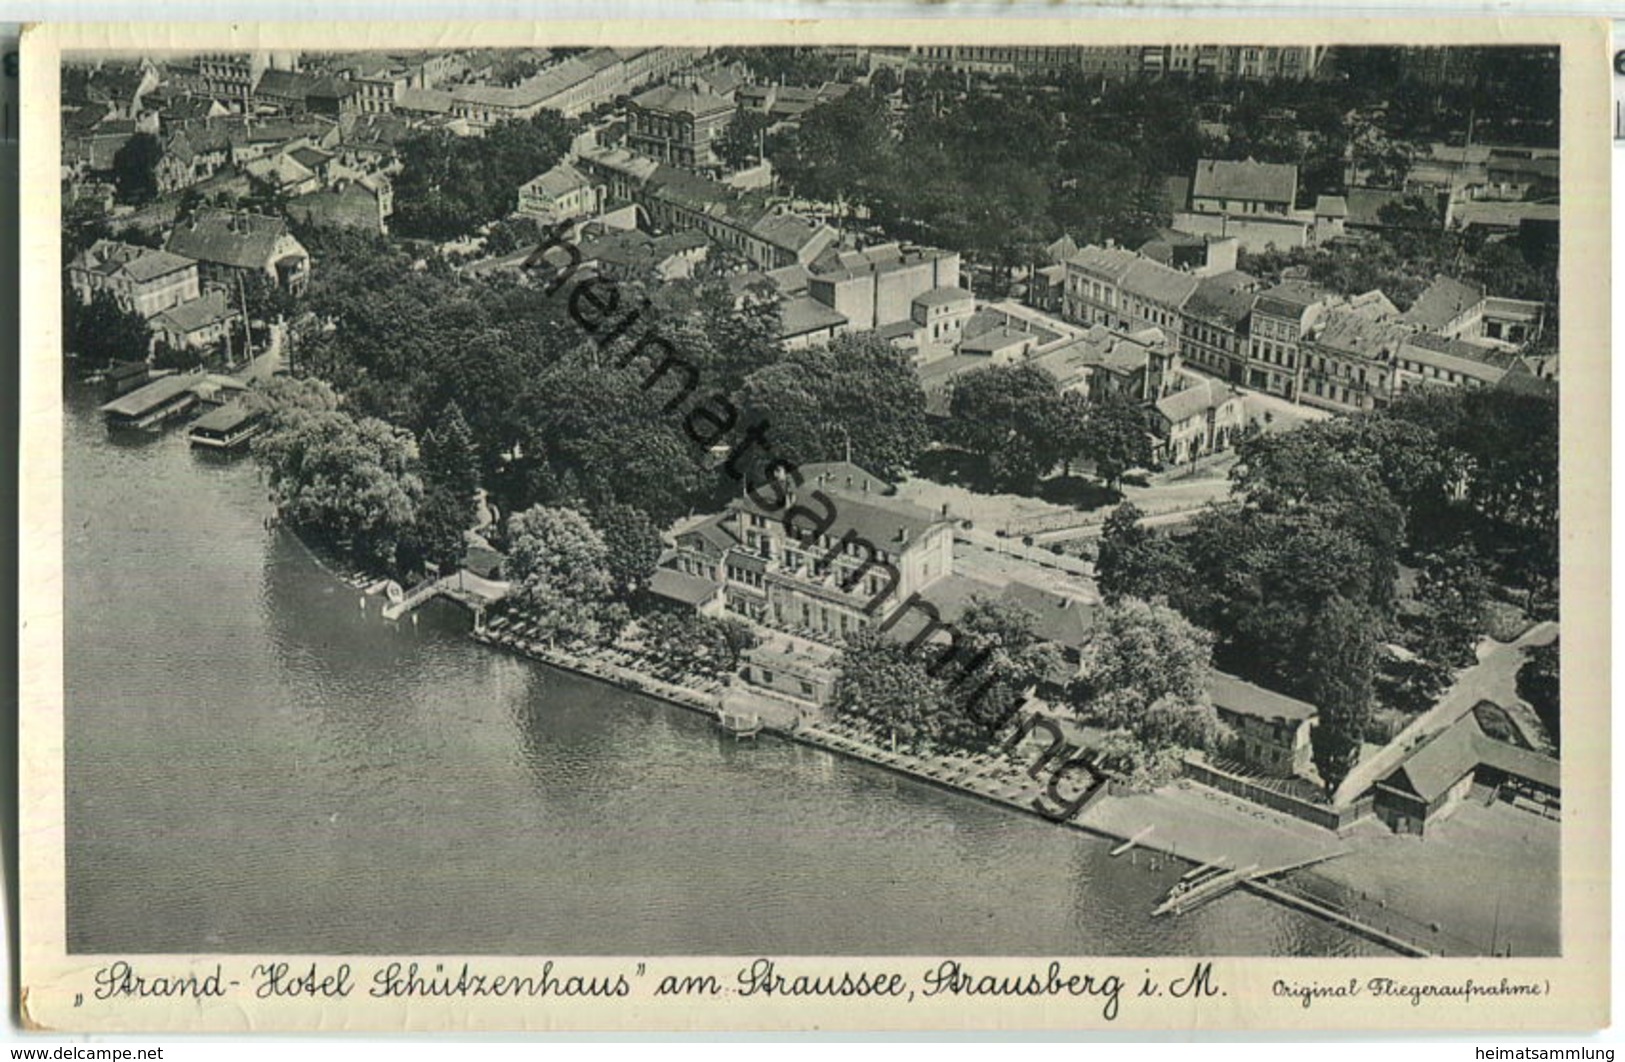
{"x": 1249, "y": 181}
{"x": 682, "y": 587}
{"x": 1062, "y": 249}
{"x": 1350, "y": 332}
{"x": 1193, "y": 401}
{"x": 151, "y": 395}
{"x": 1288, "y": 299}
{"x": 557, "y": 182}
{"x": 1002, "y": 337}
{"x": 1060, "y": 620}
{"x": 1442, "y": 302}
{"x": 1443, "y": 761}
{"x": 943, "y": 297}
{"x": 1225, "y": 299}
{"x": 791, "y": 232}
{"x": 1365, "y": 205}
{"x": 206, "y": 310}
{"x": 426, "y": 101}
{"x": 710, "y": 535}
{"x": 1098, "y": 348}
{"x": 1503, "y": 215}
{"x": 223, "y": 237}
{"x": 1229, "y": 693}
{"x": 802, "y": 314}
{"x": 1107, "y": 262}
{"x": 1331, "y": 206}
{"x": 286, "y": 84}
{"x": 843, "y": 475}
{"x": 1155, "y": 282}
{"x": 140, "y": 264}
{"x": 279, "y": 170}
{"x": 1483, "y": 363}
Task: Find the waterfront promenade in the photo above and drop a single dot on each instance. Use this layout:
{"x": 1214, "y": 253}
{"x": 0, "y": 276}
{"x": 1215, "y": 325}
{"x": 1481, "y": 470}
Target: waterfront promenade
{"x": 1387, "y": 889}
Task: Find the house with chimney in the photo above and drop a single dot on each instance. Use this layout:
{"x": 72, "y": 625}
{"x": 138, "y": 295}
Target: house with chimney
{"x": 200, "y": 324}
{"x": 1350, "y": 354}
{"x": 1282, "y": 318}
{"x": 143, "y": 280}
{"x": 1214, "y": 324}
{"x": 229, "y": 245}
{"x": 680, "y": 122}
{"x": 563, "y": 193}
{"x": 1198, "y": 416}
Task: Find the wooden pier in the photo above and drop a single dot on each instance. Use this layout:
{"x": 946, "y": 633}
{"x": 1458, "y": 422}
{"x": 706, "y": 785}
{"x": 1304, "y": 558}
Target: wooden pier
{"x": 1132, "y": 841}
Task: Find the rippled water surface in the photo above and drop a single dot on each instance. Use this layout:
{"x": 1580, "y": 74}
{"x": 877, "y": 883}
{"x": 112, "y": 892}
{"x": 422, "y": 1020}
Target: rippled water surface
{"x": 255, "y": 764}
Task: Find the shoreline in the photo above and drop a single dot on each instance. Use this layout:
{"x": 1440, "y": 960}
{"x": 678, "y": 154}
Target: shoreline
{"x": 1186, "y": 822}
{"x": 1016, "y": 797}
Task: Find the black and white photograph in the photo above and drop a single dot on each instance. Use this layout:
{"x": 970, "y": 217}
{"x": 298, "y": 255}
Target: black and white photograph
{"x": 950, "y": 500}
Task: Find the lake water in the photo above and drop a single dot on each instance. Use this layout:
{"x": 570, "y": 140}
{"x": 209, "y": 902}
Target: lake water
{"x": 254, "y": 764}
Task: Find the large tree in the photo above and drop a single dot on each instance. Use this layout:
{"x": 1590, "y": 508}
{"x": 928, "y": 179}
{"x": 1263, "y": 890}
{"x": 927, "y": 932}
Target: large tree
{"x": 1339, "y": 656}
{"x": 857, "y": 397}
{"x": 559, "y": 567}
{"x": 1114, "y": 436}
{"x": 101, "y": 332}
{"x": 135, "y": 168}
{"x": 1134, "y": 561}
{"x": 451, "y": 479}
{"x": 632, "y": 545}
{"x": 884, "y": 682}
{"x": 1146, "y": 669}
{"x": 999, "y": 656}
{"x": 741, "y": 142}
{"x": 1003, "y": 413}
{"x": 1539, "y": 683}
{"x": 450, "y": 185}
{"x": 353, "y": 483}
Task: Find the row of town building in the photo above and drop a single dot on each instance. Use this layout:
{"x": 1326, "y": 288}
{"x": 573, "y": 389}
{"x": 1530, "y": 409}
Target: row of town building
{"x": 1221, "y": 61}
{"x": 191, "y": 292}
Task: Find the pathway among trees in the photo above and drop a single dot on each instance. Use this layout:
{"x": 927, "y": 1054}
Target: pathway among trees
{"x": 1491, "y": 679}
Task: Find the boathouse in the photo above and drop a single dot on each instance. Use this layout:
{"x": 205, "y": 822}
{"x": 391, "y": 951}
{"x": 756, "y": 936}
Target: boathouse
{"x": 147, "y": 408}
{"x": 1462, "y": 763}
{"x": 227, "y": 428}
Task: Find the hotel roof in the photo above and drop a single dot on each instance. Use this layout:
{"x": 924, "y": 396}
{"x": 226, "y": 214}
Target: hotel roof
{"x": 890, "y": 524}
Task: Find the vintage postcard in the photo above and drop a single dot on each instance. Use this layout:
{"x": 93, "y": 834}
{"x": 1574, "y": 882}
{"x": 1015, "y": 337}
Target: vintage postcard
{"x": 942, "y": 525}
